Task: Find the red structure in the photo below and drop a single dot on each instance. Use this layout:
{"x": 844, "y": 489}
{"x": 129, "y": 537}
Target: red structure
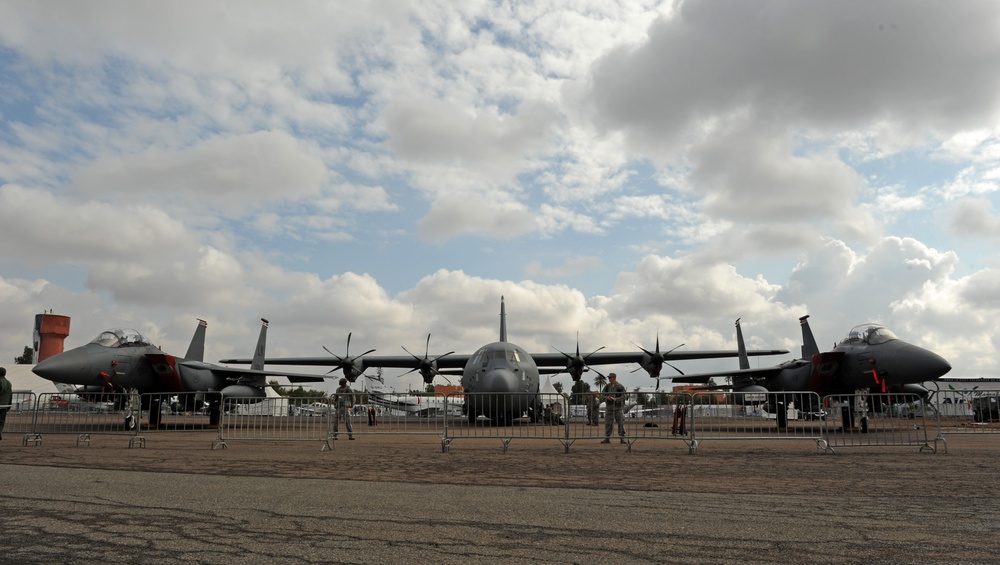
{"x": 51, "y": 330}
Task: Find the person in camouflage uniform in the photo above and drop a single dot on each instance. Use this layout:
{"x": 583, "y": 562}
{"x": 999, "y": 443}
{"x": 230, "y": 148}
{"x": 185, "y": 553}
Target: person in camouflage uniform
{"x": 6, "y": 396}
{"x": 593, "y": 407}
{"x": 614, "y": 411}
{"x": 344, "y": 403}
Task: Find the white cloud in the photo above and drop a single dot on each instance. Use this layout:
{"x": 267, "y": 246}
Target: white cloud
{"x": 233, "y": 175}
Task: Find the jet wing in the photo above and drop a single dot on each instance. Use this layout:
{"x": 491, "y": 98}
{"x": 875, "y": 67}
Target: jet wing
{"x": 623, "y": 357}
{"x": 702, "y": 378}
{"x": 236, "y": 373}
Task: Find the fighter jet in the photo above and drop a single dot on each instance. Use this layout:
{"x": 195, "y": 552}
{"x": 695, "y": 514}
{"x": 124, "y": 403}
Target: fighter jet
{"x": 870, "y": 357}
{"x": 120, "y": 360}
{"x": 501, "y": 380}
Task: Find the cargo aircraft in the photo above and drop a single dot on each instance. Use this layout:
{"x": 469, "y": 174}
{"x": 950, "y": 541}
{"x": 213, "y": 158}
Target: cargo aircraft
{"x": 120, "y": 360}
{"x": 500, "y": 380}
{"x": 869, "y": 358}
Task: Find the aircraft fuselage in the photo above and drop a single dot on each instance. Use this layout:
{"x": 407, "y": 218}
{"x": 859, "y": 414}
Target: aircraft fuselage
{"x": 145, "y": 368}
{"x": 494, "y": 376}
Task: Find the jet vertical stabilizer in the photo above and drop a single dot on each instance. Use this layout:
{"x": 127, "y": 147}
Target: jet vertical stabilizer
{"x": 741, "y": 347}
{"x": 196, "y": 351}
{"x": 809, "y": 347}
{"x": 257, "y": 364}
{"x": 503, "y": 321}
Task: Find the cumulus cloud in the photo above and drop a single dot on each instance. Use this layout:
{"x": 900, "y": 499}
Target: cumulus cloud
{"x": 974, "y": 217}
{"x": 794, "y": 62}
{"x": 232, "y": 174}
{"x": 493, "y": 214}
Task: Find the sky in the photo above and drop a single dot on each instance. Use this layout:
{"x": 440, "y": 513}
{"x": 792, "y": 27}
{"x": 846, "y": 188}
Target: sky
{"x": 620, "y": 172}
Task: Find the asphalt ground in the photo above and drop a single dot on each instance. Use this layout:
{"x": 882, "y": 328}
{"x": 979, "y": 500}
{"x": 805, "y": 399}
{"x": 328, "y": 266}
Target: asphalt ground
{"x": 400, "y": 499}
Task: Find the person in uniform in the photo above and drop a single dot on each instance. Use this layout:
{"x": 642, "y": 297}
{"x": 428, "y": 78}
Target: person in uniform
{"x": 557, "y": 414}
{"x": 6, "y": 397}
{"x": 614, "y": 397}
{"x": 344, "y": 403}
{"x": 593, "y": 407}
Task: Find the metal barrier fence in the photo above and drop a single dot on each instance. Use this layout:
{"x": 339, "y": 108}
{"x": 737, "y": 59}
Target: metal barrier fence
{"x": 965, "y": 411}
{"x": 185, "y": 412}
{"x": 290, "y": 419}
{"x": 277, "y": 419}
{"x": 885, "y": 420}
{"x": 19, "y": 414}
{"x": 746, "y": 416}
{"x": 642, "y": 419}
{"x": 505, "y": 417}
{"x": 100, "y": 414}
{"x": 552, "y": 417}
{"x": 866, "y": 420}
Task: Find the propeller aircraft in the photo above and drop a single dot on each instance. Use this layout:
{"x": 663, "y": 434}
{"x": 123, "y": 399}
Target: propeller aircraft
{"x": 501, "y": 380}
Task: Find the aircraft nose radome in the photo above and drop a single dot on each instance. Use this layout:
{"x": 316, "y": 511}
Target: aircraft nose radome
{"x": 499, "y": 381}
{"x": 67, "y": 367}
{"x": 916, "y": 364}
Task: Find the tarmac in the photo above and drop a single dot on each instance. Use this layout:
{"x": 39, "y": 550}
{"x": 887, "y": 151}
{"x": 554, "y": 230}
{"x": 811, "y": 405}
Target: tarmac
{"x": 395, "y": 499}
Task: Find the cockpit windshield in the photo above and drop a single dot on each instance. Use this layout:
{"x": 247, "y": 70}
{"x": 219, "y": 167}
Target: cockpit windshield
{"x": 870, "y": 334}
{"x": 121, "y": 337}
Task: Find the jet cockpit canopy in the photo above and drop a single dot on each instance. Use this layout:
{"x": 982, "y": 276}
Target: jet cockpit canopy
{"x": 870, "y": 334}
{"x": 121, "y": 337}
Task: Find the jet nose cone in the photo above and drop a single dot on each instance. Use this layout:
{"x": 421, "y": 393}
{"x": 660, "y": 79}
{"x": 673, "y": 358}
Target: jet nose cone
{"x": 916, "y": 365}
{"x": 67, "y": 367}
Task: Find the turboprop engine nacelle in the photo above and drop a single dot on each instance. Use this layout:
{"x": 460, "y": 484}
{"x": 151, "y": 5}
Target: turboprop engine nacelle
{"x": 751, "y": 394}
{"x": 242, "y": 393}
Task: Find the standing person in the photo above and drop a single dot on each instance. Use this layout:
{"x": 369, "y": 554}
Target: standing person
{"x": 557, "y": 413}
{"x": 344, "y": 403}
{"x": 593, "y": 407}
{"x": 6, "y": 396}
{"x": 614, "y": 396}
{"x": 371, "y": 415}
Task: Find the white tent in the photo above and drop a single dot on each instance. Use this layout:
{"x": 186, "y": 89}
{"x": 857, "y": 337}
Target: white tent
{"x": 23, "y": 380}
{"x": 547, "y": 387}
{"x": 550, "y": 395}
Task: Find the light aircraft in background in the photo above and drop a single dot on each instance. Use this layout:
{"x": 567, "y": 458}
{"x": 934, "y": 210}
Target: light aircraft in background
{"x": 429, "y": 405}
{"x": 500, "y": 380}
{"x": 870, "y": 358}
{"x": 121, "y": 360}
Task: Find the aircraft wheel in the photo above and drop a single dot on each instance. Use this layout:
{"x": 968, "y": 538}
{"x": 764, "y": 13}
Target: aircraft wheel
{"x": 129, "y": 422}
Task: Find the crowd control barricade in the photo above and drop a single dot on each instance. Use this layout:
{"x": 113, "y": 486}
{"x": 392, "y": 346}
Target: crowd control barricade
{"x": 276, "y": 419}
{"x": 750, "y": 416}
{"x": 505, "y": 417}
{"x": 182, "y": 412}
{"x": 404, "y": 414}
{"x": 653, "y": 416}
{"x": 19, "y": 415}
{"x": 965, "y": 410}
{"x": 112, "y": 414}
{"x": 877, "y": 420}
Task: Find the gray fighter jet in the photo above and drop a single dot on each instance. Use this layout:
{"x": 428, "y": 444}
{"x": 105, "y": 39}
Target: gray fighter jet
{"x": 500, "y": 379}
{"x": 870, "y": 357}
{"x": 120, "y": 360}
